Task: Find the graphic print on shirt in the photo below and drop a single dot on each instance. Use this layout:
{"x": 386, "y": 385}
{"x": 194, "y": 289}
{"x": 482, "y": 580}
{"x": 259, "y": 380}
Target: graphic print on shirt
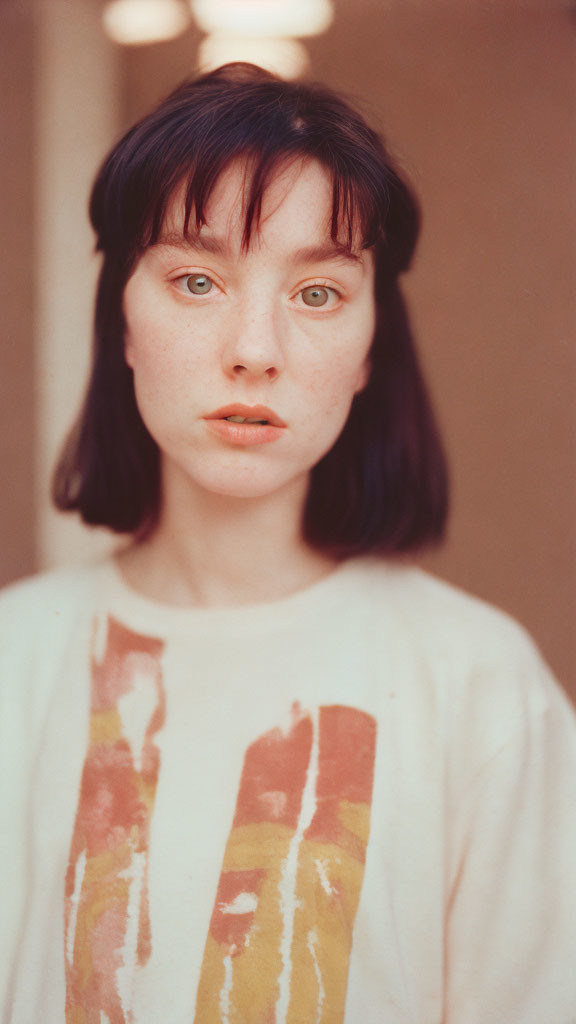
{"x": 280, "y": 936}
{"x": 107, "y": 925}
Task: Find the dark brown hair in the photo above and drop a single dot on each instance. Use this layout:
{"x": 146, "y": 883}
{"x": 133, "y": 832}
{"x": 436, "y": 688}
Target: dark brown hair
{"x": 383, "y": 485}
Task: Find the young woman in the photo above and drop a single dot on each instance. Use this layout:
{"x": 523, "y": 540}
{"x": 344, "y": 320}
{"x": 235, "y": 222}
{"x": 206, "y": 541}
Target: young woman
{"x": 255, "y": 767}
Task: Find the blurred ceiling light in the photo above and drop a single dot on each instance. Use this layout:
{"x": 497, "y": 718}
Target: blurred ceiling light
{"x": 285, "y": 57}
{"x": 135, "y": 22}
{"x": 263, "y": 18}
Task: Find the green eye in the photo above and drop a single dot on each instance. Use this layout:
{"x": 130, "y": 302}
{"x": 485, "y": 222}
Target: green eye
{"x": 198, "y": 284}
{"x": 315, "y": 295}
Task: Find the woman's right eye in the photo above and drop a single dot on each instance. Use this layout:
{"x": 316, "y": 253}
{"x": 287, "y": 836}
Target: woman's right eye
{"x": 196, "y": 284}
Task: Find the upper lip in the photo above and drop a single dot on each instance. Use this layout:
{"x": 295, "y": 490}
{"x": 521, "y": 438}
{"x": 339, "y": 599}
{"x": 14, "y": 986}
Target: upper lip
{"x": 260, "y": 412}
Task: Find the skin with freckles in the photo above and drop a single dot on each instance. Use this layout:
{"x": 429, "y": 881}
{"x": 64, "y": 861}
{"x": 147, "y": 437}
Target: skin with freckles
{"x": 287, "y": 325}
{"x": 249, "y": 336}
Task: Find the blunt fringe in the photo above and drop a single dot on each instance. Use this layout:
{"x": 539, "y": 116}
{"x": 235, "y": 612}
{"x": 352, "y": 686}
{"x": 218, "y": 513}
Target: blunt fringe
{"x": 383, "y": 487}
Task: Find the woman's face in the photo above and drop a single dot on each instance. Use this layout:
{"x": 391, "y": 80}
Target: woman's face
{"x": 279, "y": 333}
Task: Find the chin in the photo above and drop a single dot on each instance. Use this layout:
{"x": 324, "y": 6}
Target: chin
{"x": 239, "y": 488}
{"x": 243, "y": 482}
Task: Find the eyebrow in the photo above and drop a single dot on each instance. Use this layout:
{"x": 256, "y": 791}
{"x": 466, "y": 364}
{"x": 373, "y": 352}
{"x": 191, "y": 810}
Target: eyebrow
{"x": 327, "y": 252}
{"x": 196, "y": 242}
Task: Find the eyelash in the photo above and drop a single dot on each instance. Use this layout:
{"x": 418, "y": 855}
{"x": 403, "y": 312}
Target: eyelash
{"x": 182, "y": 278}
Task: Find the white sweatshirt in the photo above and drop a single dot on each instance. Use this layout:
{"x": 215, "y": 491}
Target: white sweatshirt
{"x": 356, "y": 804}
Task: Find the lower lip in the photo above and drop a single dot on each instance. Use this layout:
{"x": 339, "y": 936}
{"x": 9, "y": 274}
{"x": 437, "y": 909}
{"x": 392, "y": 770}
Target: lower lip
{"x": 245, "y": 433}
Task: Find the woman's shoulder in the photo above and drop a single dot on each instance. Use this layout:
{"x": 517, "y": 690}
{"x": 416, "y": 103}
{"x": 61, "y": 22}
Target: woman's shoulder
{"x": 440, "y": 610}
{"x": 469, "y": 657}
{"x": 42, "y": 607}
{"x": 48, "y": 589}
{"x": 458, "y": 635}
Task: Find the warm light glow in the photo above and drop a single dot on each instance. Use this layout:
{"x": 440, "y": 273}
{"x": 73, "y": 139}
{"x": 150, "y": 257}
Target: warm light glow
{"x": 263, "y": 18}
{"x": 285, "y": 57}
{"x": 135, "y": 22}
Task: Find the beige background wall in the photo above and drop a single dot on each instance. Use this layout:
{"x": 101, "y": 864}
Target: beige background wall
{"x": 77, "y": 88}
{"x": 480, "y": 104}
{"x": 17, "y": 407}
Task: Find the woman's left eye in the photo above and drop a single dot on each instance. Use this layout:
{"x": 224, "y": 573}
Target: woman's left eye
{"x": 195, "y": 284}
{"x": 317, "y": 295}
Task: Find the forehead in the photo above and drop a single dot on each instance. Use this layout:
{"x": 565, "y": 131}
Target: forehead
{"x": 295, "y": 212}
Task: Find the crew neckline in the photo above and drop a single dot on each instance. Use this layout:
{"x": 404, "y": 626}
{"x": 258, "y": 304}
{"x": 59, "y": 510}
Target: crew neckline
{"x": 134, "y": 609}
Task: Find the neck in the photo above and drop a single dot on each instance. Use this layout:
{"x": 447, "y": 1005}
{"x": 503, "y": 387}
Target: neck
{"x": 210, "y": 549}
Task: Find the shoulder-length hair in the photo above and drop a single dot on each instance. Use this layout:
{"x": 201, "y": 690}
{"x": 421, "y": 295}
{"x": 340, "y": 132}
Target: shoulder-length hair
{"x": 383, "y": 485}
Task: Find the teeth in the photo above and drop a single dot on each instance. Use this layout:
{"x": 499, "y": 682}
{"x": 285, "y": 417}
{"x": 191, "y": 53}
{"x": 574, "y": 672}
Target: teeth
{"x": 244, "y": 419}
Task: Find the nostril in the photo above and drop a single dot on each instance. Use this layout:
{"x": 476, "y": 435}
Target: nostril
{"x": 239, "y": 370}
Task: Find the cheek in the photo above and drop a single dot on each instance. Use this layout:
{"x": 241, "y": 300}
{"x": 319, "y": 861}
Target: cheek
{"x": 154, "y": 341}
{"x": 159, "y": 352}
{"x": 344, "y": 372}
{"x": 163, "y": 373}
{"x": 330, "y": 397}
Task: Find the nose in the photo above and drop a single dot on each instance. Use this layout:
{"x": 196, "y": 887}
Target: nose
{"x": 255, "y": 348}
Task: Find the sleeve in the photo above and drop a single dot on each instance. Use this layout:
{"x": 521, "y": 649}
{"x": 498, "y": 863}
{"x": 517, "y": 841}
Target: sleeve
{"x": 39, "y": 619}
{"x": 511, "y": 924}
{"x": 12, "y": 847}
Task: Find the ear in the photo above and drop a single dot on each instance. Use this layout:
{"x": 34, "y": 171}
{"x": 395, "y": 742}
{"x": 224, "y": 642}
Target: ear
{"x": 363, "y": 375}
{"x": 128, "y": 353}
